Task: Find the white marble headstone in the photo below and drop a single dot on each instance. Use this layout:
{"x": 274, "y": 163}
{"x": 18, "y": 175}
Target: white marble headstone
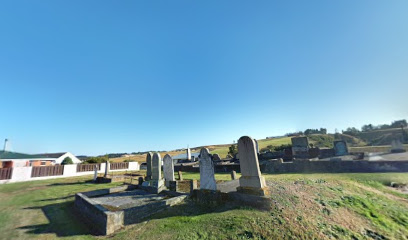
{"x": 156, "y": 166}
{"x": 95, "y": 173}
{"x": 207, "y": 179}
{"x": 107, "y": 168}
{"x": 168, "y": 169}
{"x": 248, "y": 158}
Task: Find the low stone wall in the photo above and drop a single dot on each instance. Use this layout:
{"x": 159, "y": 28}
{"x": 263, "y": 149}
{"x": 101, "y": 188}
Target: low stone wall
{"x": 327, "y": 166}
{"x": 217, "y": 168}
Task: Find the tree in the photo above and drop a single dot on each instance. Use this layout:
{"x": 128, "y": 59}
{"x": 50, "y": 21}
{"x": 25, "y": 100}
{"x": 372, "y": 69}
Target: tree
{"x": 67, "y": 160}
{"x": 233, "y": 150}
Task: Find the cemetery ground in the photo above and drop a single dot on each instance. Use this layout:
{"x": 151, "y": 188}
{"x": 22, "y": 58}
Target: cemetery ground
{"x": 320, "y": 206}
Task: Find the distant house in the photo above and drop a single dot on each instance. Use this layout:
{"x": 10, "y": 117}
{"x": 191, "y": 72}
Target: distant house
{"x": 14, "y": 159}
{"x": 184, "y": 157}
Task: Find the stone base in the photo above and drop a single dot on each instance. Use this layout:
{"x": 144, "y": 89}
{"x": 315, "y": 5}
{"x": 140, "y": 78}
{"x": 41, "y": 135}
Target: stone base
{"x": 253, "y": 191}
{"x": 252, "y": 182}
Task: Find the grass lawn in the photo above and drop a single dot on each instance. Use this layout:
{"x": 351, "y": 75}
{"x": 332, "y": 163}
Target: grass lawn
{"x": 308, "y": 206}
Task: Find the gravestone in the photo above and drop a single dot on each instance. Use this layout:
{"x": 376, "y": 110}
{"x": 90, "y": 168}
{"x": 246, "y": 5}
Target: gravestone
{"x": 207, "y": 179}
{"x": 157, "y": 180}
{"x": 216, "y": 157}
{"x": 251, "y": 181}
{"x": 396, "y": 146}
{"x": 149, "y": 166}
{"x": 180, "y": 175}
{"x": 168, "y": 169}
{"x": 340, "y": 148}
{"x": 300, "y": 147}
{"x": 95, "y": 173}
{"x": 233, "y": 175}
{"x": 188, "y": 154}
{"x": 107, "y": 168}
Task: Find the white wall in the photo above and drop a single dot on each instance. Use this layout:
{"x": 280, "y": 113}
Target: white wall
{"x": 22, "y": 174}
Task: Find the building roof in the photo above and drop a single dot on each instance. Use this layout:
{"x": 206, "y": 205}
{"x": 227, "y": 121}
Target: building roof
{"x": 49, "y": 155}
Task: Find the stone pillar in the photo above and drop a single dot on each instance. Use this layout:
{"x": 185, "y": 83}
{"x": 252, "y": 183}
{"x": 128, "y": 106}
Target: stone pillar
{"x": 251, "y": 181}
{"x": 168, "y": 169}
{"x": 233, "y": 175}
{"x": 188, "y": 154}
{"x": 107, "y": 169}
{"x": 207, "y": 179}
{"x": 149, "y": 166}
{"x": 157, "y": 180}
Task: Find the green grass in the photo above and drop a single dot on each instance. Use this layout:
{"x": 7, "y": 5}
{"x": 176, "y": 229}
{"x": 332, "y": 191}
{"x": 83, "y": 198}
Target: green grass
{"x": 305, "y": 206}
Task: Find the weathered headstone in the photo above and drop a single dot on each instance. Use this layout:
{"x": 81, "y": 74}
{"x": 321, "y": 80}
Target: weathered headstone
{"x": 340, "y": 148}
{"x": 140, "y": 180}
{"x": 396, "y": 146}
{"x": 251, "y": 181}
{"x": 207, "y": 179}
{"x": 157, "y": 180}
{"x": 149, "y": 166}
{"x": 95, "y": 173}
{"x": 107, "y": 168}
{"x": 168, "y": 169}
{"x": 300, "y": 147}
{"x": 188, "y": 154}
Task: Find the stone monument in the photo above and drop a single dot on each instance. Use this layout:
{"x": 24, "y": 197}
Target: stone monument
{"x": 157, "y": 180}
{"x": 188, "y": 153}
{"x": 340, "y": 148}
{"x": 95, "y": 173}
{"x": 251, "y": 181}
{"x": 107, "y": 168}
{"x": 207, "y": 179}
{"x": 149, "y": 166}
{"x": 300, "y": 147}
{"x": 257, "y": 146}
{"x": 396, "y": 146}
{"x": 168, "y": 169}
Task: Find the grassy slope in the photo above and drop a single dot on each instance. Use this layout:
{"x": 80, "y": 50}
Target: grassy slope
{"x": 318, "y": 206}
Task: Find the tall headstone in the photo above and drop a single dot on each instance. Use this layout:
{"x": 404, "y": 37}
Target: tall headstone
{"x": 207, "y": 179}
{"x": 149, "y": 166}
{"x": 157, "y": 180}
{"x": 300, "y": 147}
{"x": 188, "y": 154}
{"x": 107, "y": 168}
{"x": 251, "y": 181}
{"x": 168, "y": 169}
{"x": 340, "y": 148}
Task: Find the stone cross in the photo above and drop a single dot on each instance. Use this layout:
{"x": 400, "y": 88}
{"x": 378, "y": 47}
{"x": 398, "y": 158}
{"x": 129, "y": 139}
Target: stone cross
{"x": 168, "y": 169}
{"x": 107, "y": 168}
{"x": 207, "y": 179}
{"x": 149, "y": 166}
{"x": 251, "y": 181}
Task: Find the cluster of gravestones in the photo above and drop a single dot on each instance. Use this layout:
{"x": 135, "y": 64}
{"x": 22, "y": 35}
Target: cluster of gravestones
{"x": 251, "y": 181}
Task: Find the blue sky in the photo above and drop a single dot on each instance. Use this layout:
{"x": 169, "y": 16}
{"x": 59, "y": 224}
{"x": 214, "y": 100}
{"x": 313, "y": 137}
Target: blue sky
{"x": 94, "y": 77}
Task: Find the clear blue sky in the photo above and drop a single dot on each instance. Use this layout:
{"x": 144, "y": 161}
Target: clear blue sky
{"x": 94, "y": 77}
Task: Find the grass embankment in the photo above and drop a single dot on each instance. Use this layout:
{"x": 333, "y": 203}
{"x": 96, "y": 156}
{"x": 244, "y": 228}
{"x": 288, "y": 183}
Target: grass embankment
{"x": 319, "y": 206}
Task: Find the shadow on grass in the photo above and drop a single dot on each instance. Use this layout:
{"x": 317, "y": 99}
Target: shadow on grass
{"x": 70, "y": 183}
{"x": 62, "y": 221}
{"x": 56, "y": 199}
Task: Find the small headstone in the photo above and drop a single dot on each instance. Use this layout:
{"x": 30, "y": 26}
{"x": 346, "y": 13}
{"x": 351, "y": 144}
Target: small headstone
{"x": 107, "y": 169}
{"x": 141, "y": 180}
{"x": 216, "y": 157}
{"x": 149, "y": 166}
{"x": 233, "y": 175}
{"x": 280, "y": 160}
{"x": 251, "y": 181}
{"x": 396, "y": 146}
{"x": 168, "y": 169}
{"x": 340, "y": 148}
{"x": 207, "y": 179}
{"x": 173, "y": 186}
{"x": 300, "y": 147}
{"x": 193, "y": 185}
{"x": 180, "y": 175}
{"x": 95, "y": 173}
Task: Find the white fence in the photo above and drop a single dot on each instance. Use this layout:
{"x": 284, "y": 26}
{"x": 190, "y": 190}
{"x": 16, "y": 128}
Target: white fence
{"x": 23, "y": 174}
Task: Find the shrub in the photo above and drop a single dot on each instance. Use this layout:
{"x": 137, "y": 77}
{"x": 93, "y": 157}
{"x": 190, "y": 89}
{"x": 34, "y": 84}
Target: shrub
{"x": 67, "y": 160}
